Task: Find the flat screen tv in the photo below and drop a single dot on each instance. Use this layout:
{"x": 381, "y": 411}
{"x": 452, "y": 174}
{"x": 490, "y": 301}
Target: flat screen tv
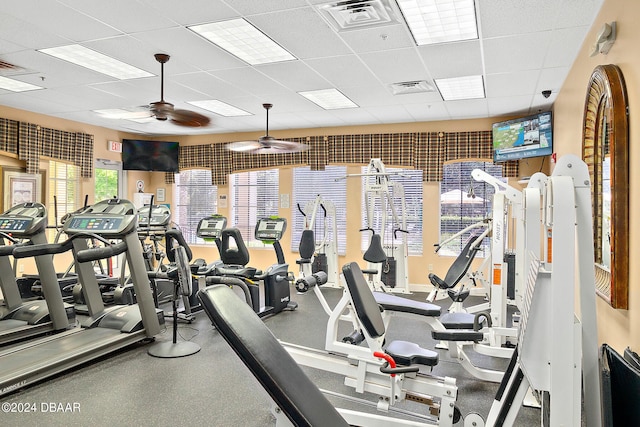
{"x": 157, "y": 156}
{"x": 522, "y": 138}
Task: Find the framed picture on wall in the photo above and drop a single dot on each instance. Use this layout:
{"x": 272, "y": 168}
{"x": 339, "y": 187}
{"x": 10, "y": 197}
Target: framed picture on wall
{"x": 19, "y": 187}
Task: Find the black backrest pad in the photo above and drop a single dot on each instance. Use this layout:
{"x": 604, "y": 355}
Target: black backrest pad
{"x": 462, "y": 263}
{"x": 365, "y": 305}
{"x": 375, "y": 253}
{"x": 289, "y": 387}
{"x": 307, "y": 244}
{"x": 233, "y": 255}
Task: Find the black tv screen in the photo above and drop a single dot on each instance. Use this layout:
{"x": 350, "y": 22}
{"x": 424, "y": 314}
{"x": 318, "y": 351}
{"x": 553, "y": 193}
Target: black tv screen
{"x": 157, "y": 156}
{"x": 521, "y": 138}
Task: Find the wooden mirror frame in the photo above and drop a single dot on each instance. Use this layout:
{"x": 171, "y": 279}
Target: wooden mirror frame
{"x": 606, "y": 116}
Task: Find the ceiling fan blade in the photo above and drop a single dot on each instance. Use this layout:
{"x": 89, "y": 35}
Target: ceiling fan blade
{"x": 244, "y": 146}
{"x": 276, "y": 146}
{"x": 189, "y": 118}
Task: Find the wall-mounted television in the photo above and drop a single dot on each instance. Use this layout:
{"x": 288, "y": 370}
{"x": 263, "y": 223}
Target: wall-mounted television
{"x": 157, "y": 156}
{"x": 521, "y": 138}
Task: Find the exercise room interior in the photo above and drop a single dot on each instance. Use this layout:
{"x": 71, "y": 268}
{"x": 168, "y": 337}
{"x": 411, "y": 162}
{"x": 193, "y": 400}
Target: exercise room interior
{"x": 617, "y": 327}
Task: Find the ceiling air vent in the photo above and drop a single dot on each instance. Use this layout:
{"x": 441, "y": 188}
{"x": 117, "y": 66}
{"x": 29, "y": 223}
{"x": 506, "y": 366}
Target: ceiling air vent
{"x": 358, "y": 14}
{"x": 417, "y": 86}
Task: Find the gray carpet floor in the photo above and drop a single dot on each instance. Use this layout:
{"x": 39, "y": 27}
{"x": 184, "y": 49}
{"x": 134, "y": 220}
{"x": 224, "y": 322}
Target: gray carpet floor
{"x": 213, "y": 387}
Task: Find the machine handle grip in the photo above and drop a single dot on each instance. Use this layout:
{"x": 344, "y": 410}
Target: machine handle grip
{"x": 94, "y": 254}
{"x": 300, "y": 209}
{"x": 7, "y": 250}
{"x": 8, "y": 237}
{"x": 42, "y": 249}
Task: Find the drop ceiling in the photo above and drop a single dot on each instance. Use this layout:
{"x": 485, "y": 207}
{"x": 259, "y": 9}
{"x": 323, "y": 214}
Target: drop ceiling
{"x": 523, "y": 48}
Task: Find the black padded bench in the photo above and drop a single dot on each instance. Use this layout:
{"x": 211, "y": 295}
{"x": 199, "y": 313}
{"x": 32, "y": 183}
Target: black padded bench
{"x": 405, "y": 305}
{"x": 289, "y": 387}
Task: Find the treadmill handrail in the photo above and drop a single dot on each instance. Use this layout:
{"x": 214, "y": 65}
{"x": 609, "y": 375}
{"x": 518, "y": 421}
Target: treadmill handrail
{"x": 53, "y": 248}
{"x": 7, "y": 250}
{"x": 95, "y": 254}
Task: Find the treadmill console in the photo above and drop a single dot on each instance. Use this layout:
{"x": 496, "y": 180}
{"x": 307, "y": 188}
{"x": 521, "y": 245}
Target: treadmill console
{"x": 24, "y": 220}
{"x": 109, "y": 218}
{"x": 211, "y": 227}
{"x": 160, "y": 216}
{"x": 270, "y": 229}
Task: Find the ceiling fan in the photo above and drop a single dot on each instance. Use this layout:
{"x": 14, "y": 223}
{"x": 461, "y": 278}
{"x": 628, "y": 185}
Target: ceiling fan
{"x": 163, "y": 110}
{"x": 267, "y": 144}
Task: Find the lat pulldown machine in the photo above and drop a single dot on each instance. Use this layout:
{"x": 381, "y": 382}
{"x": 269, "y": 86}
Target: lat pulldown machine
{"x": 387, "y": 262}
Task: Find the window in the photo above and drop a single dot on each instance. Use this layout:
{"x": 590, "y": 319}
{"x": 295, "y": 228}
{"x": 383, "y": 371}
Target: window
{"x": 307, "y": 185}
{"x": 411, "y": 182}
{"x": 458, "y": 210}
{"x": 63, "y": 190}
{"x": 253, "y": 195}
{"x": 194, "y": 199}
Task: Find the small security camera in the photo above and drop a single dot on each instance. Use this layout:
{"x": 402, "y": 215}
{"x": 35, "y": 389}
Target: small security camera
{"x": 546, "y": 93}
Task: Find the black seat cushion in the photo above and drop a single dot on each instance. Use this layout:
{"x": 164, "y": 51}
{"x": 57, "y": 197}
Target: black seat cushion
{"x": 290, "y": 388}
{"x": 407, "y": 353}
{"x": 457, "y": 320}
{"x": 307, "y": 244}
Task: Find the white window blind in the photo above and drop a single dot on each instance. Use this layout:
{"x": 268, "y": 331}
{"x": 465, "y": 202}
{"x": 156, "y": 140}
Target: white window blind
{"x": 307, "y": 185}
{"x": 411, "y": 181}
{"x": 193, "y": 199}
{"x": 254, "y": 195}
{"x": 458, "y": 210}
{"x": 64, "y": 188}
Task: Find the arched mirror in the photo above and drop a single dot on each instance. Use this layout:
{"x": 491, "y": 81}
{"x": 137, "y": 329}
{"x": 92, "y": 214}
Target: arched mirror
{"x": 605, "y": 149}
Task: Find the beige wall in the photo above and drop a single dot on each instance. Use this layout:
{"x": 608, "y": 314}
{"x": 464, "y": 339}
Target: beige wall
{"x": 619, "y": 328}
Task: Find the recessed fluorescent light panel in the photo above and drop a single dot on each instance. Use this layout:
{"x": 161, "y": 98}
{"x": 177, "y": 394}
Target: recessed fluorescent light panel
{"x": 220, "y": 108}
{"x": 243, "y": 40}
{"x": 95, "y": 61}
{"x": 329, "y": 99}
{"x": 440, "y": 21}
{"x": 469, "y": 87}
{"x": 16, "y": 85}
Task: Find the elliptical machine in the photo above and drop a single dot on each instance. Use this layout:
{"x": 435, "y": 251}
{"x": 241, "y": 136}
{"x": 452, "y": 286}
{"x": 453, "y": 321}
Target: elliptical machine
{"x": 276, "y": 278}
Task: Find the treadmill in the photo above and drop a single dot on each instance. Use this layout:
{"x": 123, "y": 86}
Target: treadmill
{"x": 20, "y": 319}
{"x": 105, "y": 330}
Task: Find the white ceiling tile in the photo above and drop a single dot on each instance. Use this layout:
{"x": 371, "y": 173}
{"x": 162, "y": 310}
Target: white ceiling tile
{"x": 54, "y": 17}
{"x": 452, "y": 59}
{"x": 344, "y": 71}
{"x": 394, "y": 66}
{"x": 509, "y": 105}
{"x": 378, "y": 39}
{"x": 16, "y": 32}
{"x": 511, "y": 84}
{"x": 564, "y": 46}
{"x": 428, "y": 112}
{"x": 507, "y": 17}
{"x": 193, "y": 12}
{"x": 124, "y": 15}
{"x": 515, "y": 53}
{"x": 294, "y": 75}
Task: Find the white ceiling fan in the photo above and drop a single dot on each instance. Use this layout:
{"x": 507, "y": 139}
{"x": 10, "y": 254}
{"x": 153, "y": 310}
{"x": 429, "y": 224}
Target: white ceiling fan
{"x": 267, "y": 144}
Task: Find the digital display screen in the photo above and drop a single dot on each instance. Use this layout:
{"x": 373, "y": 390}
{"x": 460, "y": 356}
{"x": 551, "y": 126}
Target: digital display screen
{"x": 522, "y": 138}
{"x": 14, "y": 224}
{"x": 95, "y": 224}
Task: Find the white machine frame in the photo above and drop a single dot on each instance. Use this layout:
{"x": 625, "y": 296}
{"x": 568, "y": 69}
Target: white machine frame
{"x": 327, "y": 246}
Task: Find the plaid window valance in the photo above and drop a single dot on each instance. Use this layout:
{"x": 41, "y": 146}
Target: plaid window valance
{"x": 426, "y": 151}
{"x": 30, "y": 142}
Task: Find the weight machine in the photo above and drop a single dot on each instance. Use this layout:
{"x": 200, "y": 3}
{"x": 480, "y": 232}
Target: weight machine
{"x": 325, "y": 254}
{"x": 387, "y": 262}
{"x": 557, "y": 351}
